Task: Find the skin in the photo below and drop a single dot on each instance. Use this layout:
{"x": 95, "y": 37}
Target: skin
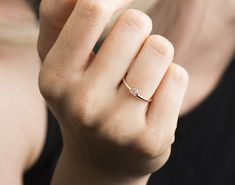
{"x": 77, "y": 80}
{"x": 205, "y": 26}
{"x": 72, "y": 81}
{"x": 23, "y": 112}
{"x": 206, "y": 16}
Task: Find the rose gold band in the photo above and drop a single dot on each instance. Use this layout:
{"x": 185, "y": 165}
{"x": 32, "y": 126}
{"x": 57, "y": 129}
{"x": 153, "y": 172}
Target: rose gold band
{"x": 135, "y": 91}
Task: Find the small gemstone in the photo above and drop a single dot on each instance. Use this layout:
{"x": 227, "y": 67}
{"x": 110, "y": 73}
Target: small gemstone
{"x": 134, "y": 92}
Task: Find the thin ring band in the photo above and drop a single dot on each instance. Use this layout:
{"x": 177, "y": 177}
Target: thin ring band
{"x": 135, "y": 91}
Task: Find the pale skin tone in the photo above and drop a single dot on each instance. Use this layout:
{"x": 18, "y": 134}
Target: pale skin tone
{"x": 23, "y": 113}
{"x": 120, "y": 127}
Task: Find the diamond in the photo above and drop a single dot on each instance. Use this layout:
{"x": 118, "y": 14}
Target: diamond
{"x": 134, "y": 92}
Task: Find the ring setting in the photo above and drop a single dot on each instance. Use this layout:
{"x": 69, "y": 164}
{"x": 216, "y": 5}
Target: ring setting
{"x": 135, "y": 92}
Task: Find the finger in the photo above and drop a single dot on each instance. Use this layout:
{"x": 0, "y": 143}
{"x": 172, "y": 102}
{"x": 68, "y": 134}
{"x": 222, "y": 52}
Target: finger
{"x": 53, "y": 15}
{"x": 148, "y": 69}
{"x": 120, "y": 48}
{"x": 82, "y": 31}
{"x": 163, "y": 111}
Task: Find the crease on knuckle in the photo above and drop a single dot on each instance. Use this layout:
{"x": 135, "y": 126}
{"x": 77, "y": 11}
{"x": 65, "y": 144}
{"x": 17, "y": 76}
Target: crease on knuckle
{"x": 56, "y": 15}
{"x": 164, "y": 139}
{"x": 91, "y": 9}
{"x": 161, "y": 47}
{"x": 80, "y": 107}
{"x": 136, "y": 21}
{"x": 49, "y": 87}
{"x": 46, "y": 15}
{"x": 179, "y": 75}
{"x": 114, "y": 131}
{"x": 154, "y": 143}
{"x": 118, "y": 130}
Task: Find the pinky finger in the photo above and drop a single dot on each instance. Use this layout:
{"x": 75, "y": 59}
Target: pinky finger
{"x": 164, "y": 110}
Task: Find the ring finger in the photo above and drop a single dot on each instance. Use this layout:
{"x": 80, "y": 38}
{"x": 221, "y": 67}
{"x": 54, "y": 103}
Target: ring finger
{"x": 147, "y": 70}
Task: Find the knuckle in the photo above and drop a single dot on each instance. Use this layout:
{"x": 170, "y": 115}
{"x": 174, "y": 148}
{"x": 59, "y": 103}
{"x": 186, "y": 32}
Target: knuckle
{"x": 168, "y": 142}
{"x": 93, "y": 8}
{"x": 118, "y": 132}
{"x": 46, "y": 10}
{"x": 136, "y": 21}
{"x": 45, "y": 85}
{"x": 160, "y": 46}
{"x": 163, "y": 158}
{"x": 152, "y": 143}
{"x": 164, "y": 139}
{"x": 65, "y": 4}
{"x": 179, "y": 74}
{"x": 49, "y": 86}
{"x": 81, "y": 108}
{"x": 56, "y": 12}
{"x": 115, "y": 135}
{"x": 54, "y": 82}
{"x": 45, "y": 88}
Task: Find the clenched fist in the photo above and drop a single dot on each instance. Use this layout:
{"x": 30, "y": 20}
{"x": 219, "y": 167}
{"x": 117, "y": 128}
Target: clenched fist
{"x": 110, "y": 134}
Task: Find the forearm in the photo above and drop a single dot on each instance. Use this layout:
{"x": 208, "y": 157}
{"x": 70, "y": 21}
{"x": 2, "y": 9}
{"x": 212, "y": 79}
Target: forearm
{"x": 73, "y": 171}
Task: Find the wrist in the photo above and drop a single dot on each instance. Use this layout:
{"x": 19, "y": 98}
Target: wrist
{"x": 74, "y": 169}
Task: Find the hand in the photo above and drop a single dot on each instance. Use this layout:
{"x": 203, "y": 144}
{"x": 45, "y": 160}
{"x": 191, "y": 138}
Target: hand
{"x": 104, "y": 127}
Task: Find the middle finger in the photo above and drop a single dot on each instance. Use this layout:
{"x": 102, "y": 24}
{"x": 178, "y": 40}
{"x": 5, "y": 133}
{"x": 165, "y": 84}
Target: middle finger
{"x": 120, "y": 48}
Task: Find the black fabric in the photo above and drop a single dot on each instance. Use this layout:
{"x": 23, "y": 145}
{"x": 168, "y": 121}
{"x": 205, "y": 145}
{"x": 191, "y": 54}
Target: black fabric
{"x": 41, "y": 172}
{"x": 203, "y": 152}
{"x": 204, "y": 149}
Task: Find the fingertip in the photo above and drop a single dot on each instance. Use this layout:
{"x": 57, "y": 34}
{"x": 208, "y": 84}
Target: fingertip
{"x": 179, "y": 74}
{"x": 137, "y": 19}
{"x": 161, "y": 46}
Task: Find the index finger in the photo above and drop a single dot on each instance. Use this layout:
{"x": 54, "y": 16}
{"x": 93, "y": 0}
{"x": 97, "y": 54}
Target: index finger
{"x": 54, "y": 14}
